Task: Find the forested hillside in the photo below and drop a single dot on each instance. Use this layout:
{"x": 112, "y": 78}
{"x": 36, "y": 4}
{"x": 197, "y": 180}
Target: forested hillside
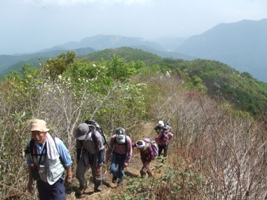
{"x": 217, "y": 79}
{"x": 218, "y": 150}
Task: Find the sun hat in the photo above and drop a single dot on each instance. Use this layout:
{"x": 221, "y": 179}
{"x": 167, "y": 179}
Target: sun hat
{"x": 39, "y": 125}
{"x": 81, "y": 131}
{"x": 120, "y": 131}
{"x": 140, "y": 144}
{"x": 120, "y": 135}
{"x": 161, "y": 123}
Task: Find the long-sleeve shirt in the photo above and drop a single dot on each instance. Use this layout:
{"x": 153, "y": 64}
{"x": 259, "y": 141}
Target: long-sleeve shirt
{"x": 92, "y": 145}
{"x": 121, "y": 149}
{"x": 163, "y": 138}
{"x": 62, "y": 151}
{"x": 147, "y": 154}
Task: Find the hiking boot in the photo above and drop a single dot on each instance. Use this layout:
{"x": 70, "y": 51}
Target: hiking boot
{"x": 114, "y": 179}
{"x": 98, "y": 189}
{"x": 120, "y": 182}
{"x": 79, "y": 192}
{"x": 149, "y": 174}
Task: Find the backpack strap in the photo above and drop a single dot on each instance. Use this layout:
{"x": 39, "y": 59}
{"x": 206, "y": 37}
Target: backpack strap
{"x": 33, "y": 151}
{"x": 94, "y": 138}
{"x": 32, "y": 148}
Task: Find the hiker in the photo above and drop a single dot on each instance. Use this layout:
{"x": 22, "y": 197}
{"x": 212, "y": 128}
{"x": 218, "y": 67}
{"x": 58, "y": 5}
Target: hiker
{"x": 47, "y": 159}
{"x": 147, "y": 154}
{"x": 163, "y": 140}
{"x": 90, "y": 152}
{"x": 120, "y": 147}
{"x": 160, "y": 127}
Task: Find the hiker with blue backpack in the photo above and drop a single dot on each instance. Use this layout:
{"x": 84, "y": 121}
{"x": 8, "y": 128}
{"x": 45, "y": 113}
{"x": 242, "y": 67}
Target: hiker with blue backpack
{"x": 90, "y": 153}
{"x": 120, "y": 152}
{"x": 47, "y": 159}
{"x": 148, "y": 152}
{"x": 161, "y": 126}
{"x": 163, "y": 139}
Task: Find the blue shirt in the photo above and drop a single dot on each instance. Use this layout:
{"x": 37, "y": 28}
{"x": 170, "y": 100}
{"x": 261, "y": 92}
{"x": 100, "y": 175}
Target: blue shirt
{"x": 62, "y": 151}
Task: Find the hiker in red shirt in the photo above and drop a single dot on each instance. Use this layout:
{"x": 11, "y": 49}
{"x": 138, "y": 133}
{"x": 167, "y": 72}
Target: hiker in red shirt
{"x": 147, "y": 154}
{"x": 120, "y": 152}
{"x": 163, "y": 140}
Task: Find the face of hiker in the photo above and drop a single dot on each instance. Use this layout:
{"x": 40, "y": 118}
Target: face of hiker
{"x": 39, "y": 137}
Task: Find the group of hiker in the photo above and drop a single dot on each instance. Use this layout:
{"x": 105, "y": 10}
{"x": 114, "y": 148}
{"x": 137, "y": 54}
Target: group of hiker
{"x": 48, "y": 158}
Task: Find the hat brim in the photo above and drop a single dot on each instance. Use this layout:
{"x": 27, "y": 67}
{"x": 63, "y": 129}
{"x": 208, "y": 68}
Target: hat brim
{"x": 39, "y": 130}
{"x": 82, "y": 137}
{"x": 141, "y": 146}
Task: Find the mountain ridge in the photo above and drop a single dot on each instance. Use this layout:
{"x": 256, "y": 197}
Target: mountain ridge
{"x": 240, "y": 45}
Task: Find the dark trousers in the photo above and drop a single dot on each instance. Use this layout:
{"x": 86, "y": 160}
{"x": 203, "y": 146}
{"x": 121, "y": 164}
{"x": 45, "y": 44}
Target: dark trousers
{"x": 83, "y": 167}
{"x": 163, "y": 148}
{"x": 51, "y": 192}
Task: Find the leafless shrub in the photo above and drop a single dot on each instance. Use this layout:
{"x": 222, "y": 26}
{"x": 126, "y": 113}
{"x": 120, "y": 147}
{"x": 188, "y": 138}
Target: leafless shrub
{"x": 226, "y": 150}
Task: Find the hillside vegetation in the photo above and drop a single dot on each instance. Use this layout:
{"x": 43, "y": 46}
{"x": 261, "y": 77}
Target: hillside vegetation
{"x": 221, "y": 81}
{"x": 218, "y": 151}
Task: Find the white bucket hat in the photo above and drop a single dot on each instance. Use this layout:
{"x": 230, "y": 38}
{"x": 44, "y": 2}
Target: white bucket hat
{"x": 140, "y": 144}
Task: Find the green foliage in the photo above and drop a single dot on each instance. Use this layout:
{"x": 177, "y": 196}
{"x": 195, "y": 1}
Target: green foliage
{"x": 225, "y": 83}
{"x": 59, "y": 64}
{"x": 90, "y": 75}
{"x": 121, "y": 92}
{"x": 128, "y": 54}
{"x": 119, "y": 70}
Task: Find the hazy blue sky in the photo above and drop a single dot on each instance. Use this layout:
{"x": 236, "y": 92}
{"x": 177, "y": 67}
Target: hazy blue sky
{"x": 31, "y": 25}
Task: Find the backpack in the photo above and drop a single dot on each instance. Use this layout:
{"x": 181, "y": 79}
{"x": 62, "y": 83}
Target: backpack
{"x": 154, "y": 146}
{"x": 98, "y": 128}
{"x": 166, "y": 124}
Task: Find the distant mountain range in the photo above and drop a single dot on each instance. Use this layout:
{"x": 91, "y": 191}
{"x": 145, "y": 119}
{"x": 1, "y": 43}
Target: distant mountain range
{"x": 241, "y": 45}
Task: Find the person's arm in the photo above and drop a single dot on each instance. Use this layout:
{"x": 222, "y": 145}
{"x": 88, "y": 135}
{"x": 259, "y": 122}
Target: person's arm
{"x": 30, "y": 181}
{"x": 63, "y": 153}
{"x": 65, "y": 158}
{"x": 100, "y": 161}
{"x": 79, "y": 146}
{"x": 134, "y": 144}
{"x": 29, "y": 164}
{"x": 129, "y": 149}
{"x": 170, "y": 135}
{"x": 100, "y": 157}
{"x": 99, "y": 148}
{"x": 69, "y": 174}
{"x": 110, "y": 148}
{"x": 157, "y": 129}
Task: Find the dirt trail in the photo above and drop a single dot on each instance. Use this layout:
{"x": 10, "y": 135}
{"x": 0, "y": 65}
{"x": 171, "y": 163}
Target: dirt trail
{"x": 108, "y": 188}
